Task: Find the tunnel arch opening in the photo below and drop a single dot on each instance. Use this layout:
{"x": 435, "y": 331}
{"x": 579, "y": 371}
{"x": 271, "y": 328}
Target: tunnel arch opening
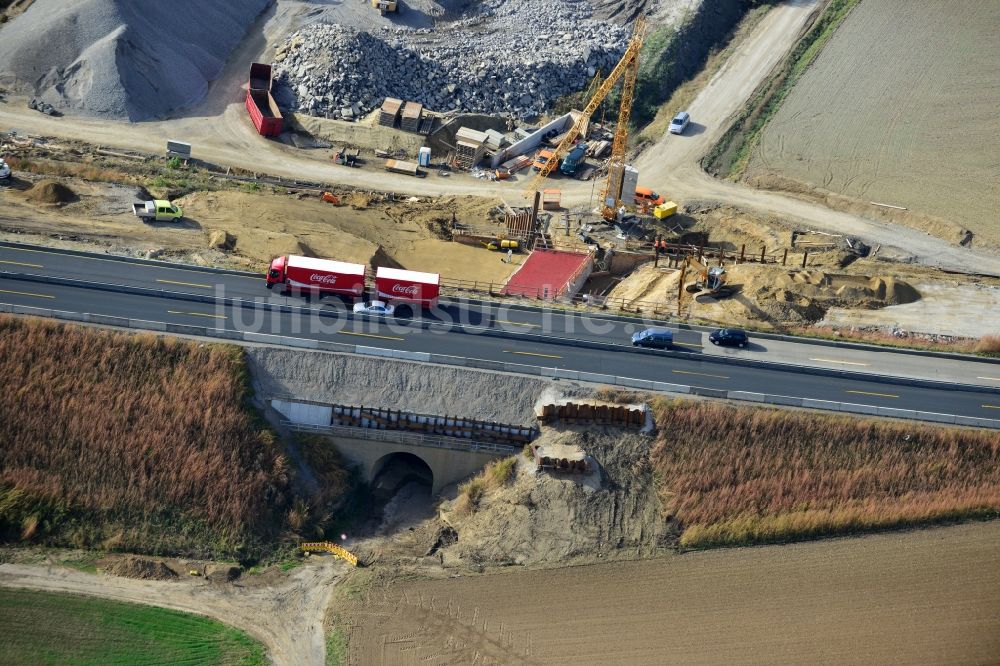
{"x": 393, "y": 471}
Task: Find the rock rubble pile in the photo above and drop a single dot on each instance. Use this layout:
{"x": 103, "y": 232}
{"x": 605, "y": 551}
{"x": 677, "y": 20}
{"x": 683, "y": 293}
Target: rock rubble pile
{"x": 507, "y": 57}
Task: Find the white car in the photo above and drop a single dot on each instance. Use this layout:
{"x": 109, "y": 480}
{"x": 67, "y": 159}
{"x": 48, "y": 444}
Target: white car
{"x": 4, "y": 171}
{"x": 374, "y": 308}
{"x": 680, "y": 122}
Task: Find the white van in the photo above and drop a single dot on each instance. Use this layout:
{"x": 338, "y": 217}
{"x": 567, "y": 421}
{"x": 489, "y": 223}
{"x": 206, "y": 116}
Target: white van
{"x": 680, "y": 122}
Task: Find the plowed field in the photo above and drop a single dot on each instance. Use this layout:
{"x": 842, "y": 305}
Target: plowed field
{"x": 924, "y": 597}
{"x": 900, "y": 108}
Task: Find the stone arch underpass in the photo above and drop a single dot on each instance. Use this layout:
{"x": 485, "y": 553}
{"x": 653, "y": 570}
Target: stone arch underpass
{"x": 438, "y": 460}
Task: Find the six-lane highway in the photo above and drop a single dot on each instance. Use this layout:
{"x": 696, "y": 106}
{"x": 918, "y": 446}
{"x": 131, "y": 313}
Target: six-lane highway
{"x": 527, "y": 336}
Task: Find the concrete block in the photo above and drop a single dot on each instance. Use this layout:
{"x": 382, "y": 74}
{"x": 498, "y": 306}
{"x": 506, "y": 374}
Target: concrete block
{"x": 448, "y": 360}
{"x": 783, "y": 400}
{"x": 897, "y": 413}
{"x": 183, "y": 329}
{"x": 413, "y": 356}
{"x": 28, "y": 310}
{"x": 935, "y": 417}
{"x": 746, "y": 395}
{"x": 522, "y": 369}
{"x": 548, "y": 372}
{"x": 69, "y": 316}
{"x": 302, "y": 343}
{"x": 809, "y": 403}
{"x": 634, "y": 383}
{"x": 261, "y": 337}
{"x": 147, "y": 325}
{"x": 976, "y": 422}
{"x": 567, "y": 374}
{"x": 596, "y": 378}
{"x": 106, "y": 320}
{"x": 671, "y": 388}
{"x": 709, "y": 392}
{"x": 375, "y": 351}
{"x": 855, "y": 408}
{"x": 335, "y": 346}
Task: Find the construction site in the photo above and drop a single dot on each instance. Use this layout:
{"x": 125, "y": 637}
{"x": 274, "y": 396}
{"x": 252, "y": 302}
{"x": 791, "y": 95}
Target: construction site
{"x": 517, "y": 168}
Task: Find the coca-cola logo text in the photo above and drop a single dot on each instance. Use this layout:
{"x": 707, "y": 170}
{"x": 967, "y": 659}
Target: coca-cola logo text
{"x": 407, "y": 290}
{"x": 323, "y": 279}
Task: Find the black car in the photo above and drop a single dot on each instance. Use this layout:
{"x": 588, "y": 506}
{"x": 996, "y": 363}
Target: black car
{"x": 729, "y": 337}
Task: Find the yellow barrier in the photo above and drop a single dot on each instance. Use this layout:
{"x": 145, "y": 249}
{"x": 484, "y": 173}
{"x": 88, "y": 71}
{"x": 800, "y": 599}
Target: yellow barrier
{"x": 330, "y": 547}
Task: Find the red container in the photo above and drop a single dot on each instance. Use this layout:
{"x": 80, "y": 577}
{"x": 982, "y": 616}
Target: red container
{"x": 398, "y": 286}
{"x": 296, "y": 273}
{"x": 263, "y": 110}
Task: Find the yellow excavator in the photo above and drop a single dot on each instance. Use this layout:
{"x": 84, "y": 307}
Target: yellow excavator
{"x": 710, "y": 280}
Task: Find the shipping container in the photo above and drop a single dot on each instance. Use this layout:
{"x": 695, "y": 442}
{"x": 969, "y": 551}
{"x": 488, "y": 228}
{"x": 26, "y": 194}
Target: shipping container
{"x": 400, "y": 286}
{"x": 263, "y": 110}
{"x": 295, "y": 273}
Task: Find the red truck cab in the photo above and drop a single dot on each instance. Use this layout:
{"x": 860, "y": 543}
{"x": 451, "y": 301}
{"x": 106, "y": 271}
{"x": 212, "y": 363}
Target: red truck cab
{"x": 308, "y": 274}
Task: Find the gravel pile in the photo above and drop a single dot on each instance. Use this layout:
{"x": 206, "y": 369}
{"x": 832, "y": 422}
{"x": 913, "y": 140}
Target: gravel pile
{"x": 507, "y": 57}
{"x": 121, "y": 58}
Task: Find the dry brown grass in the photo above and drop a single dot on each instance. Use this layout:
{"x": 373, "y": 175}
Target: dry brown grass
{"x": 888, "y": 339}
{"x": 496, "y": 474}
{"x": 737, "y": 475}
{"x": 133, "y": 442}
{"x": 988, "y": 345}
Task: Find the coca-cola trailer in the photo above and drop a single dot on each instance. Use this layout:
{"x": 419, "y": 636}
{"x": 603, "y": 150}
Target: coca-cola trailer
{"x": 399, "y": 286}
{"x": 316, "y": 275}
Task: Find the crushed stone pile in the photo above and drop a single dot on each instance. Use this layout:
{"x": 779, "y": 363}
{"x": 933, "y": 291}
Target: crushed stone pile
{"x": 143, "y": 569}
{"x": 504, "y": 57}
{"x": 122, "y": 59}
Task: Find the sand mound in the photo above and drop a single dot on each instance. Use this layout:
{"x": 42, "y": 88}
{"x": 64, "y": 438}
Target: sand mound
{"x": 119, "y": 59}
{"x": 221, "y": 240}
{"x": 137, "y": 567}
{"x": 50, "y": 192}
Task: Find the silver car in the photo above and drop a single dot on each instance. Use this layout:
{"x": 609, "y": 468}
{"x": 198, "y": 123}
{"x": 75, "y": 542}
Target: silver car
{"x": 377, "y": 308}
{"x": 680, "y": 122}
{"x": 4, "y": 171}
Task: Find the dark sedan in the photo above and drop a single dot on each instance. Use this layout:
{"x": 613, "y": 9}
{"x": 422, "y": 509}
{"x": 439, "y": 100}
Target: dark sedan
{"x": 729, "y": 337}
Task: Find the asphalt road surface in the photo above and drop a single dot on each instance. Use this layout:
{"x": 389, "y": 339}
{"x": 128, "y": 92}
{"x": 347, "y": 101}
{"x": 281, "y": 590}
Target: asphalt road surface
{"x": 333, "y": 325}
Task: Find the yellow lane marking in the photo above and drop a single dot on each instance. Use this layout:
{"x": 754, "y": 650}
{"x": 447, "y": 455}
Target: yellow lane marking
{"x": 517, "y": 323}
{"x": 162, "y": 268}
{"x": 992, "y": 379}
{"x": 881, "y": 395}
{"x": 507, "y": 351}
{"x": 25, "y": 293}
{"x": 196, "y": 314}
{"x": 20, "y": 263}
{"x": 830, "y": 360}
{"x": 186, "y": 284}
{"x": 991, "y": 406}
{"x": 688, "y": 344}
{"x": 371, "y": 335}
{"x": 701, "y": 374}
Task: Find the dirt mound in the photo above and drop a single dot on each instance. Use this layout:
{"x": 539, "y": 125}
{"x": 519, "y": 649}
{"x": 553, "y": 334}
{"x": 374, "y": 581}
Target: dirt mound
{"x": 221, "y": 239}
{"x": 143, "y": 569}
{"x": 552, "y": 517}
{"x": 50, "y": 192}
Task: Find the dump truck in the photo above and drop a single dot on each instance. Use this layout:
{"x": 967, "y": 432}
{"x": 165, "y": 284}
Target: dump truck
{"x": 399, "y": 166}
{"x": 157, "y": 210}
{"x": 402, "y": 287}
{"x": 384, "y": 6}
{"x": 263, "y": 110}
{"x": 320, "y": 276}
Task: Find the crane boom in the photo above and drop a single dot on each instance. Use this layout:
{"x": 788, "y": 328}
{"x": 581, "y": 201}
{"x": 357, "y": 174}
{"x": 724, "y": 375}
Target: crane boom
{"x": 616, "y": 163}
{"x": 631, "y": 56}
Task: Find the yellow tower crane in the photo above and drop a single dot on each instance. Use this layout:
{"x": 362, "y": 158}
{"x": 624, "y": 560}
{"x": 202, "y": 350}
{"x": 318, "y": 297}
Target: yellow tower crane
{"x": 627, "y": 67}
{"x": 611, "y": 198}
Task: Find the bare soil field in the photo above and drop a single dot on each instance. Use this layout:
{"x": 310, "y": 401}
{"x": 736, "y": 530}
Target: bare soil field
{"x": 923, "y": 597}
{"x": 899, "y": 108}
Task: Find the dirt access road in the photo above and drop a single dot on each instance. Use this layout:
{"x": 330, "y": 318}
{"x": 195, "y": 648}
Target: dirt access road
{"x": 220, "y": 133}
{"x": 673, "y": 164}
{"x": 922, "y": 597}
{"x": 286, "y": 618}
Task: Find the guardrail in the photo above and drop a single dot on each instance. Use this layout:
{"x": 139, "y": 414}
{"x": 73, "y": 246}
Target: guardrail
{"x": 404, "y": 438}
{"x": 479, "y": 330}
{"x": 482, "y": 364}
